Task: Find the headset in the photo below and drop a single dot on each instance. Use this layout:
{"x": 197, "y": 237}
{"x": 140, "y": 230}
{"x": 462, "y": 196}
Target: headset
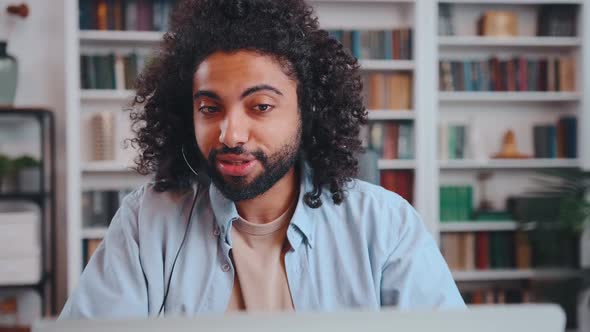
{"x": 188, "y": 225}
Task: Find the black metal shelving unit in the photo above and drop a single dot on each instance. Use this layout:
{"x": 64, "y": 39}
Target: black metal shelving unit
{"x": 45, "y": 199}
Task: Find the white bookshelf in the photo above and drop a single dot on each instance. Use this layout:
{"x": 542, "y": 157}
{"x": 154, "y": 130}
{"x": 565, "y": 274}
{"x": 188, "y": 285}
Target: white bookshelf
{"x": 393, "y": 164}
{"x": 509, "y": 164}
{"x": 105, "y": 167}
{"x": 93, "y": 232}
{"x": 377, "y": 115}
{"x": 515, "y": 274}
{"x": 478, "y": 41}
{"x": 514, "y": 2}
{"x": 508, "y": 97}
{"x": 429, "y": 107}
{"x": 110, "y": 37}
{"x": 106, "y": 95}
{"x": 382, "y": 65}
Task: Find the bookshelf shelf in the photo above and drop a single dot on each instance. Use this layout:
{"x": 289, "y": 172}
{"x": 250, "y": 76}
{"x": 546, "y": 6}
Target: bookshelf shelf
{"x": 514, "y": 2}
{"x": 524, "y": 41}
{"x": 391, "y": 115}
{"x": 134, "y": 37}
{"x": 509, "y": 164}
{"x": 387, "y": 64}
{"x": 94, "y": 232}
{"x": 106, "y": 95}
{"x": 105, "y": 167}
{"x": 387, "y": 164}
{"x": 501, "y": 97}
{"x": 482, "y": 226}
{"x": 516, "y": 274}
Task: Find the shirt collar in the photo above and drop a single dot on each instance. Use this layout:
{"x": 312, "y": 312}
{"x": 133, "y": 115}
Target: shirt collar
{"x": 226, "y": 213}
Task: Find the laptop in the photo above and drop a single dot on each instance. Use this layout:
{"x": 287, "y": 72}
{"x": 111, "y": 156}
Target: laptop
{"x": 511, "y": 318}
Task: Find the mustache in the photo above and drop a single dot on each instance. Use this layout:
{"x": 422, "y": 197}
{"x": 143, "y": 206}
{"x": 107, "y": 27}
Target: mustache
{"x": 238, "y": 150}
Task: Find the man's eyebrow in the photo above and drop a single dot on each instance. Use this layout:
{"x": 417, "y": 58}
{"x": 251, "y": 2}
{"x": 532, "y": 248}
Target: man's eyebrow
{"x": 246, "y": 93}
{"x": 206, "y": 93}
{"x": 261, "y": 87}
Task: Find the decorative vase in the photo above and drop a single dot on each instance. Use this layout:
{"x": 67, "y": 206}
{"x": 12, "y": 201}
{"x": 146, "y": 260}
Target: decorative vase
{"x": 8, "y": 76}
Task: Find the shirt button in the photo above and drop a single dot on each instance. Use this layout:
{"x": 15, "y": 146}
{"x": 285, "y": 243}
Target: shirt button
{"x": 216, "y": 231}
{"x": 225, "y": 267}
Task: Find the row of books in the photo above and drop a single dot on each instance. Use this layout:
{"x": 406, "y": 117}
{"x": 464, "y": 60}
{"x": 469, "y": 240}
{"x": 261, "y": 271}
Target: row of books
{"x": 138, "y": 15}
{"x": 111, "y": 71}
{"x": 400, "y": 182}
{"x": 453, "y": 142}
{"x": 556, "y": 140}
{"x": 486, "y": 250}
{"x": 99, "y": 206}
{"x": 392, "y": 139}
{"x": 377, "y": 44}
{"x": 552, "y": 20}
{"x": 497, "y": 296}
{"x": 516, "y": 74}
{"x": 392, "y": 91}
{"x": 456, "y": 203}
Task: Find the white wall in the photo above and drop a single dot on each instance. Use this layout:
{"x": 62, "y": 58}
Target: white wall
{"x": 38, "y": 44}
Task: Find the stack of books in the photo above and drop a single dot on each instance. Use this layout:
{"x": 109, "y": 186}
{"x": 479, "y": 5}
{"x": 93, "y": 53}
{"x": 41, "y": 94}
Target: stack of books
{"x": 556, "y": 140}
{"x": 392, "y": 139}
{"x": 515, "y": 74}
{"x": 111, "y": 71}
{"x": 138, "y": 15}
{"x": 377, "y": 44}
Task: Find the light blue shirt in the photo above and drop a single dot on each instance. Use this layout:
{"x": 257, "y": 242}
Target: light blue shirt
{"x": 370, "y": 251}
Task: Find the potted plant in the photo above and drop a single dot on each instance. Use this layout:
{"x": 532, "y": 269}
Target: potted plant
{"x": 28, "y": 173}
{"x": 5, "y": 172}
{"x": 572, "y": 190}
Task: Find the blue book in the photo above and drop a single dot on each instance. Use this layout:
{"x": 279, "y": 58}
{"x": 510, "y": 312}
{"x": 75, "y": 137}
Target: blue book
{"x": 551, "y": 132}
{"x": 467, "y": 84}
{"x": 571, "y": 137}
{"x": 388, "y": 44}
{"x": 406, "y": 141}
{"x": 356, "y": 43}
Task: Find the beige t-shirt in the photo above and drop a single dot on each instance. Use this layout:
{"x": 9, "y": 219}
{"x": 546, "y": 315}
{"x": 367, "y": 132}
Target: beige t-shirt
{"x": 258, "y": 254}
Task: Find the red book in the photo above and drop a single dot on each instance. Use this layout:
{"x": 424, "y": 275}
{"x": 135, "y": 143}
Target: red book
{"x": 482, "y": 251}
{"x": 390, "y": 140}
{"x": 495, "y": 74}
{"x": 523, "y": 72}
{"x": 388, "y": 180}
{"x": 396, "y": 44}
{"x": 145, "y": 13}
{"x": 511, "y": 76}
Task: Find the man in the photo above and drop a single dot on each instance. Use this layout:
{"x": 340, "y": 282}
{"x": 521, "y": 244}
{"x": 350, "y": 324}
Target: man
{"x": 255, "y": 97}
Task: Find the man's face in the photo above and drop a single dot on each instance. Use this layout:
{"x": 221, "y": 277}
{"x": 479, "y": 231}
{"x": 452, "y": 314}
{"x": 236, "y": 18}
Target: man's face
{"x": 247, "y": 123}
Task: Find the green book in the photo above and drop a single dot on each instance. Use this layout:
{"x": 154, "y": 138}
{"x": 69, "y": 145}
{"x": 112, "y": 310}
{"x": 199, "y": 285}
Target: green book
{"x": 469, "y": 204}
{"x": 455, "y": 203}
{"x": 462, "y": 203}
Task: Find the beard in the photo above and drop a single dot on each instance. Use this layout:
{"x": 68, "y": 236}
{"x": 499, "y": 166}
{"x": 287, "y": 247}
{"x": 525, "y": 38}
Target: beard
{"x": 274, "y": 168}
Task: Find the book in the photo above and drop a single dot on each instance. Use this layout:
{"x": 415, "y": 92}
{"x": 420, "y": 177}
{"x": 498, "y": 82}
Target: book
{"x": 90, "y": 247}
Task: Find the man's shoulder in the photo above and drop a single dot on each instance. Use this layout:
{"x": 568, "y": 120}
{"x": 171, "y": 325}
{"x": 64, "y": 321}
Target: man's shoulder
{"x": 360, "y": 190}
{"x": 147, "y": 196}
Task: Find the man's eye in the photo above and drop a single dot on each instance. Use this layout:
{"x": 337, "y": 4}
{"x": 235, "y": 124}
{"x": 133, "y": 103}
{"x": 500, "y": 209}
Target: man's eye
{"x": 208, "y": 109}
{"x": 263, "y": 108}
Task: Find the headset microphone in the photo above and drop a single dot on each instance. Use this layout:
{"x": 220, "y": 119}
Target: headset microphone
{"x": 201, "y": 180}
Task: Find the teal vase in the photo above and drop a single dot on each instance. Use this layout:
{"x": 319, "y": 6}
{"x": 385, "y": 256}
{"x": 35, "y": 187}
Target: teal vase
{"x": 8, "y": 76}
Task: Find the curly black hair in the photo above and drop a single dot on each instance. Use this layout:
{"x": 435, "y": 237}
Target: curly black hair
{"x": 329, "y": 88}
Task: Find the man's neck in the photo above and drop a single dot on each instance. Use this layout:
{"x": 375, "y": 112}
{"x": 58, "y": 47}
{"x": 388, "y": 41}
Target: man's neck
{"x": 274, "y": 202}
